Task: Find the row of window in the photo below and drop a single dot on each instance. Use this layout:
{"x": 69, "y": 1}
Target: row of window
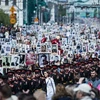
{"x": 7, "y": 2}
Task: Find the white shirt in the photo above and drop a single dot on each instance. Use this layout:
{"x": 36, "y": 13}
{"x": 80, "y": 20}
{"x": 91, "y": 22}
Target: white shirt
{"x": 7, "y": 35}
{"x": 50, "y": 87}
{"x": 86, "y": 98}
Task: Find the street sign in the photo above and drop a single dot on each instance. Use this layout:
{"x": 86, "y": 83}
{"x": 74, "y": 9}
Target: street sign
{"x": 12, "y": 16}
{"x": 12, "y": 20}
{"x": 12, "y": 9}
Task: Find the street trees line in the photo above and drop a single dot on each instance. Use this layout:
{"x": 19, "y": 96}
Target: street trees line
{"x": 4, "y": 18}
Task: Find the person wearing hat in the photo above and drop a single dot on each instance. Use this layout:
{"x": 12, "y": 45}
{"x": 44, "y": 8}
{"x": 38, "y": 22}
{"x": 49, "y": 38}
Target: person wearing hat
{"x": 71, "y": 75}
{"x": 83, "y": 92}
{"x": 55, "y": 75}
{"x": 1, "y": 79}
{"x": 62, "y": 74}
{"x": 66, "y": 75}
{"x": 38, "y": 79}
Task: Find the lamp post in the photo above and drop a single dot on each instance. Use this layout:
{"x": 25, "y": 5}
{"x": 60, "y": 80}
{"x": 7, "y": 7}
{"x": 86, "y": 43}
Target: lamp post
{"x": 72, "y": 10}
{"x": 41, "y": 10}
{"x": 26, "y": 19}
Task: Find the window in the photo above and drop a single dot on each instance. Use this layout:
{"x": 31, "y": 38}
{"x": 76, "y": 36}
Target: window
{"x": 6, "y": 2}
{"x": 14, "y": 2}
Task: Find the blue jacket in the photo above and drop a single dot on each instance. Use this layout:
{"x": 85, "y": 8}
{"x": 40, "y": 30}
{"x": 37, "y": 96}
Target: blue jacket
{"x": 94, "y": 83}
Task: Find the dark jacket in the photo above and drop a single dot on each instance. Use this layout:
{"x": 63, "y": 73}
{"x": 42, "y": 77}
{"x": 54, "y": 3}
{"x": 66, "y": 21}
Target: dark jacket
{"x": 64, "y": 98}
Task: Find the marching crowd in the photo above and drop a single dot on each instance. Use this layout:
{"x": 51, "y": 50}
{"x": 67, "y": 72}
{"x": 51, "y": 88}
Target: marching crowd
{"x": 47, "y": 78}
{"x": 74, "y": 78}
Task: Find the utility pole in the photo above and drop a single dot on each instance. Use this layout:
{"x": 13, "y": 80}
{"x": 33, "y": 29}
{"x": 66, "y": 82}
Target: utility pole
{"x": 26, "y": 18}
{"x": 37, "y": 7}
{"x": 39, "y": 15}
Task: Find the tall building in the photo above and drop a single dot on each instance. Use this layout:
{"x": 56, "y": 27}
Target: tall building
{"x": 18, "y": 5}
{"x": 83, "y": 8}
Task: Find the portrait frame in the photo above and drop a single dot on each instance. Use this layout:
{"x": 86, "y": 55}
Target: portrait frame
{"x": 6, "y": 61}
{"x": 43, "y": 59}
{"x": 22, "y": 59}
{"x": 0, "y": 63}
{"x": 54, "y": 48}
{"x": 55, "y": 58}
{"x": 43, "y": 48}
{"x": 30, "y": 58}
{"x": 49, "y": 47}
{"x": 15, "y": 61}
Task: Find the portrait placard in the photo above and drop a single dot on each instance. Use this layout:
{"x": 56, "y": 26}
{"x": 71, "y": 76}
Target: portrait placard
{"x": 14, "y": 43}
{"x": 18, "y": 35}
{"x": 54, "y": 48}
{"x": 49, "y": 47}
{"x": 3, "y": 49}
{"x": 64, "y": 41}
{"x": 43, "y": 59}
{"x": 7, "y": 48}
{"x": 0, "y": 62}
{"x": 22, "y": 59}
{"x": 6, "y": 60}
{"x": 2, "y": 40}
{"x": 85, "y": 47}
{"x": 43, "y": 48}
{"x": 38, "y": 44}
{"x": 15, "y": 60}
{"x": 55, "y": 59}
{"x": 92, "y": 46}
{"x": 1, "y": 70}
{"x": 30, "y": 58}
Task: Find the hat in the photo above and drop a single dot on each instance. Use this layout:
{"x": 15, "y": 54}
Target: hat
{"x": 84, "y": 88}
{"x": 10, "y": 74}
{"x": 54, "y": 67}
{"x": 48, "y": 67}
{"x": 37, "y": 71}
{"x": 28, "y": 72}
{"x": 18, "y": 71}
{"x": 67, "y": 65}
{"x": 95, "y": 59}
{"x": 1, "y": 76}
{"x": 23, "y": 71}
{"x": 62, "y": 66}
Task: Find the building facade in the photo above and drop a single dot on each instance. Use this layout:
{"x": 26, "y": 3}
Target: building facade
{"x": 5, "y": 5}
{"x": 83, "y": 9}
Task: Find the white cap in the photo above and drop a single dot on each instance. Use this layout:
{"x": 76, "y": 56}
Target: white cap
{"x": 84, "y": 88}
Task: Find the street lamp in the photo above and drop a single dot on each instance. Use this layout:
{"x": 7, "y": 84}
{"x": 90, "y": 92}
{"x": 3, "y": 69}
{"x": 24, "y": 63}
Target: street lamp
{"x": 72, "y": 10}
{"x": 41, "y": 10}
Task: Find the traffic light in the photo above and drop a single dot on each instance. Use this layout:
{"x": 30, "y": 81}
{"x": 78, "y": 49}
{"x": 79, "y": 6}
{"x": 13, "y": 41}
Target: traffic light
{"x": 13, "y": 15}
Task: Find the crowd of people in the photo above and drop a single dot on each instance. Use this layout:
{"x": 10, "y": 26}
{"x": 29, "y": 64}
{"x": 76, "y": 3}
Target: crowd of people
{"x": 46, "y": 78}
{"x": 74, "y": 74}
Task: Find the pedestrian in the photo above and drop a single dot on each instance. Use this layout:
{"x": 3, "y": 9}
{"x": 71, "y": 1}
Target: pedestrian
{"x": 83, "y": 92}
{"x": 61, "y": 93}
{"x": 50, "y": 86}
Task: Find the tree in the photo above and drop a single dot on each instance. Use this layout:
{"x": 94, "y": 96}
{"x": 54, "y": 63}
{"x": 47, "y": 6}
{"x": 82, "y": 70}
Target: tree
{"x": 4, "y": 18}
{"x": 62, "y": 10}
